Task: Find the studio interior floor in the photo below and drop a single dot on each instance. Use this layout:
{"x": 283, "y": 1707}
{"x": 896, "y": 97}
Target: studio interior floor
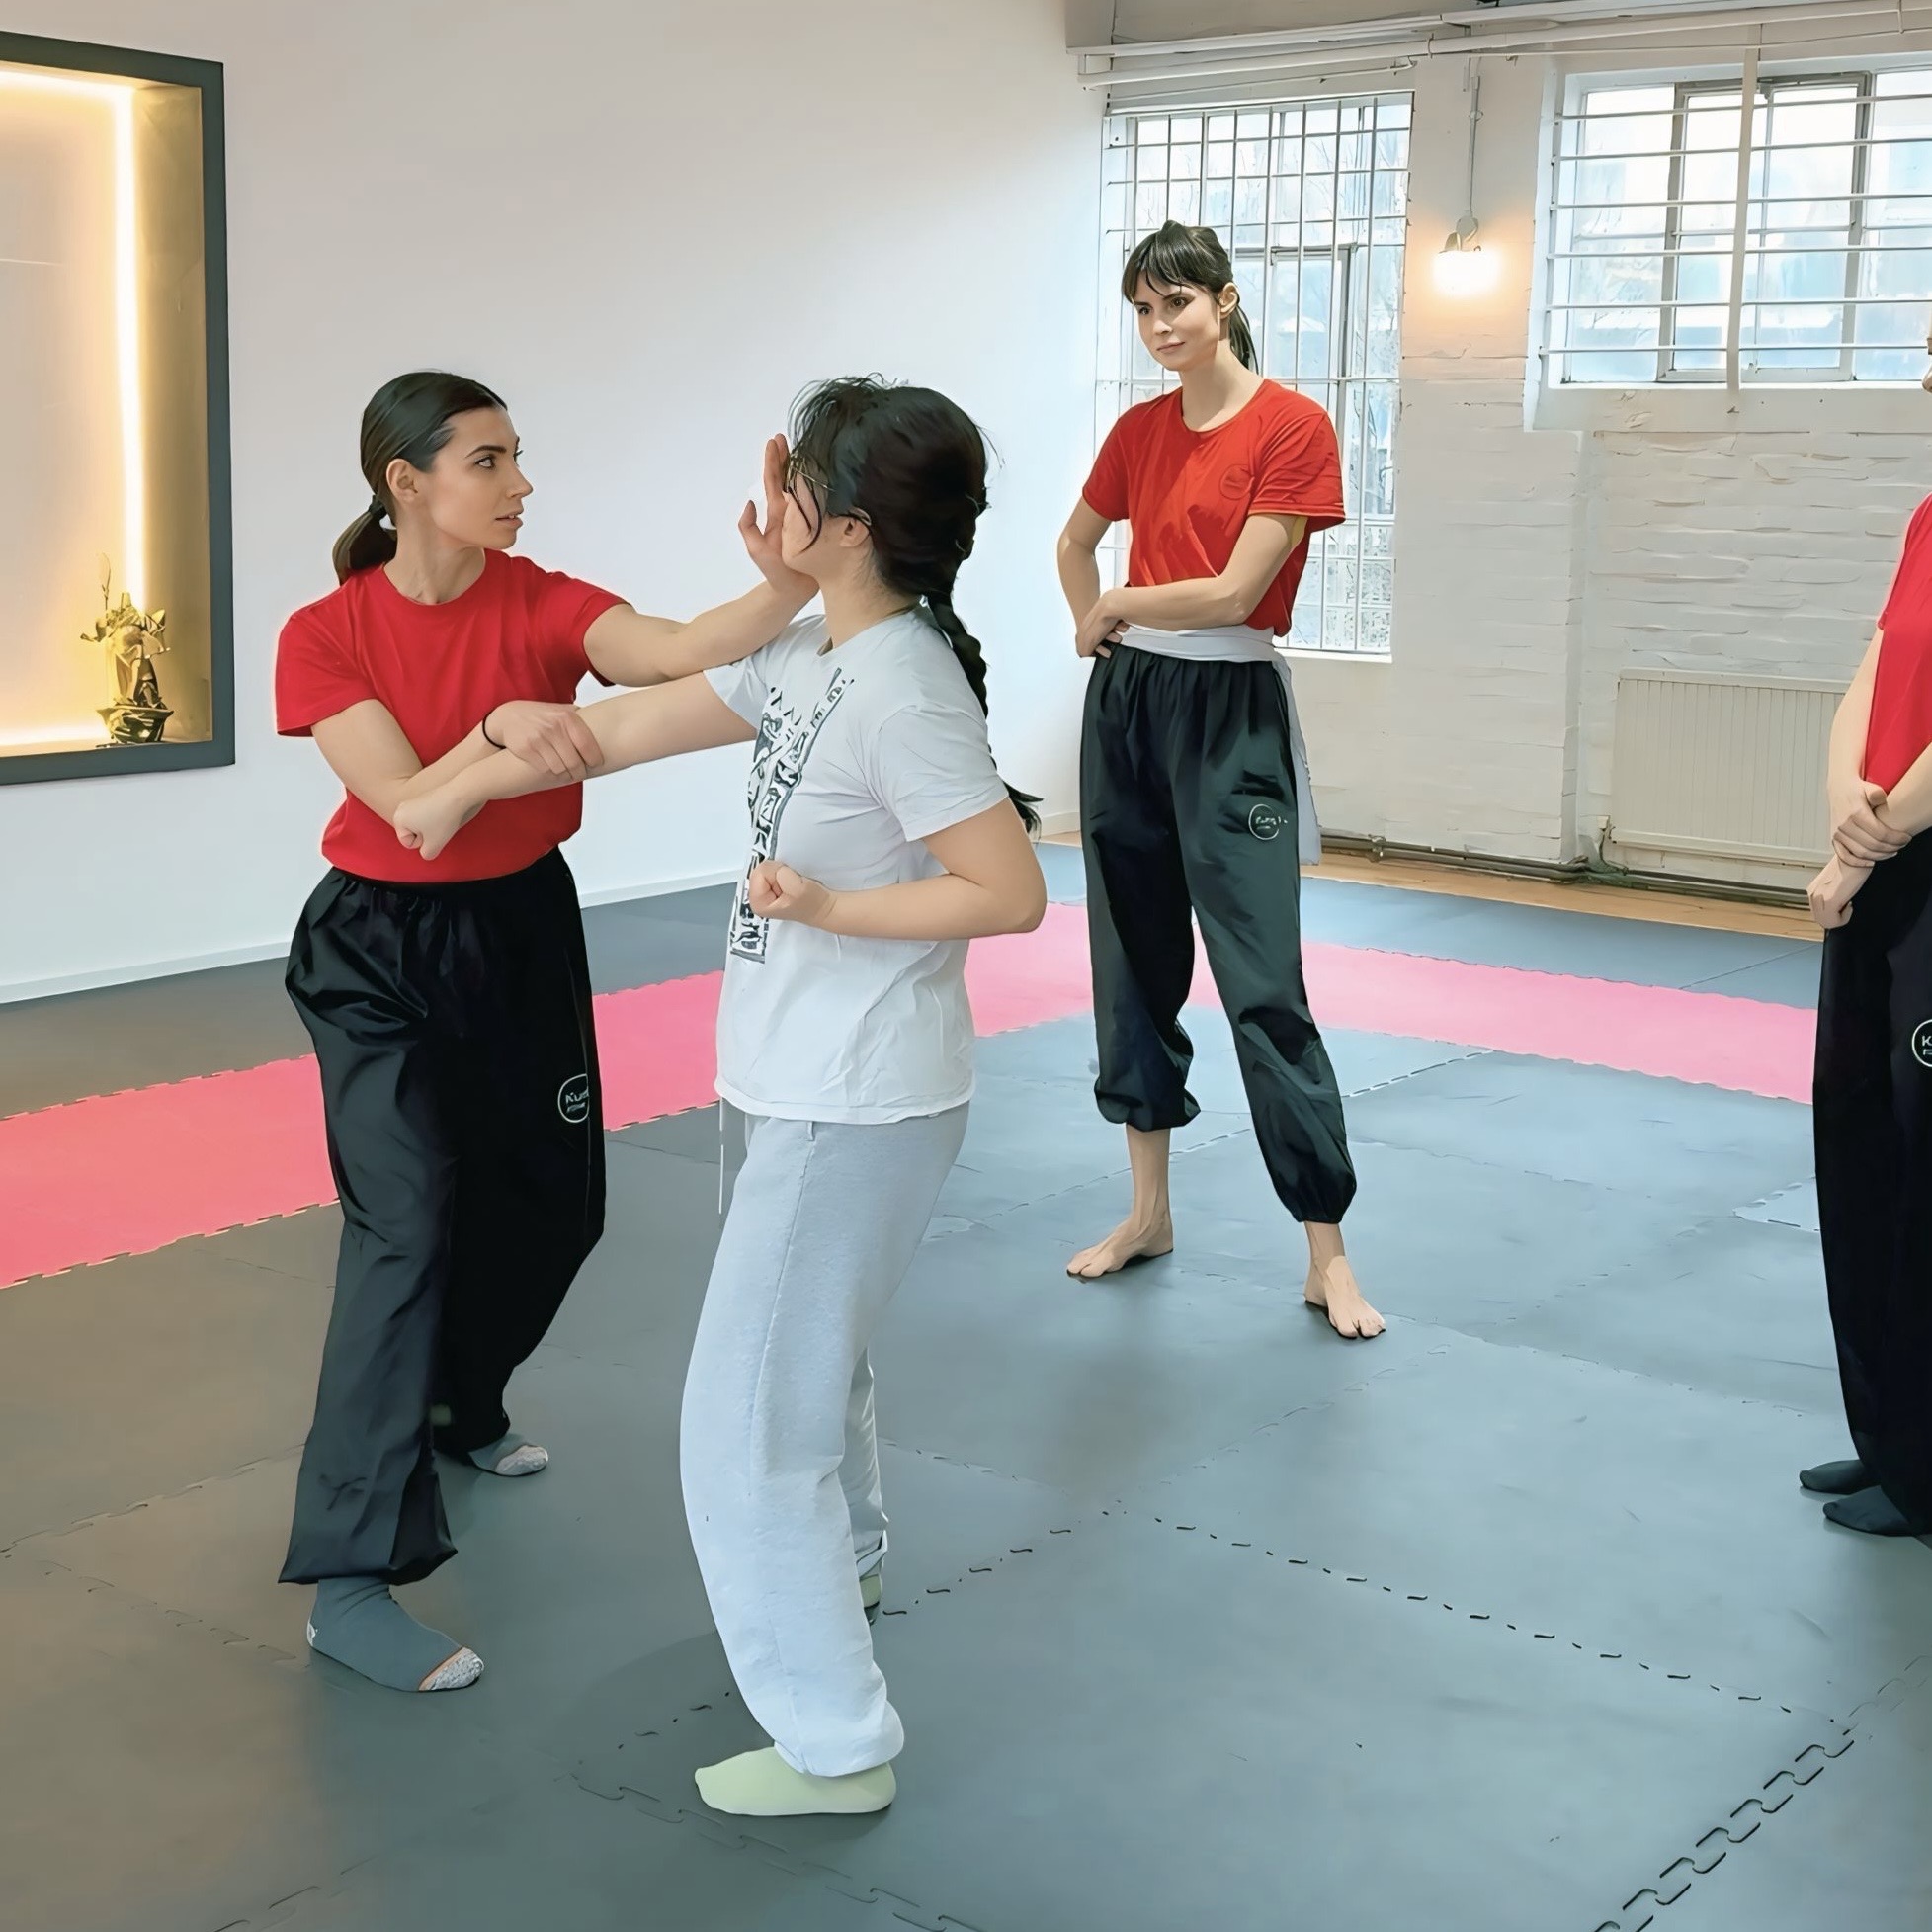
{"x": 1198, "y": 1616}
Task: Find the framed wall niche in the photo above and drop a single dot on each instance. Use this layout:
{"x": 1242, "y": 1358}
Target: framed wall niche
{"x": 113, "y": 389}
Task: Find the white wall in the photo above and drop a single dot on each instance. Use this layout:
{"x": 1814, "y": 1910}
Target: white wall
{"x": 648, "y": 225}
{"x": 1543, "y": 550}
{"x": 1463, "y": 738}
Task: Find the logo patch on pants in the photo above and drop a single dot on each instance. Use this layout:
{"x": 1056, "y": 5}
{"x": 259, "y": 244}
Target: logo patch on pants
{"x": 1267, "y": 821}
{"x": 573, "y": 1099}
{"x": 1922, "y": 1043}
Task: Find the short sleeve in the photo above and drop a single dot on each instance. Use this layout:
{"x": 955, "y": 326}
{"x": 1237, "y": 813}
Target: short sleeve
{"x": 1105, "y": 492}
{"x": 1298, "y": 471}
{"x": 316, "y": 675}
{"x": 746, "y": 686}
{"x": 932, "y": 768}
{"x": 1909, "y": 580}
{"x": 566, "y": 607}
{"x": 743, "y": 685}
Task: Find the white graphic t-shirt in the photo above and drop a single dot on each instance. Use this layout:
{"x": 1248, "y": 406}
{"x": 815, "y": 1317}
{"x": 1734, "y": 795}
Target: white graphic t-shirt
{"x": 863, "y": 752}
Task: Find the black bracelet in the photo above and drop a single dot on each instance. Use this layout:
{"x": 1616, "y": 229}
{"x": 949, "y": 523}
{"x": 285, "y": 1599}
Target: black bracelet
{"x": 485, "y": 727}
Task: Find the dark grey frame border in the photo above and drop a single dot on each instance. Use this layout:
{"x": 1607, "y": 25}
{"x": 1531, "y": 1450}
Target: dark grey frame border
{"x": 23, "y": 768}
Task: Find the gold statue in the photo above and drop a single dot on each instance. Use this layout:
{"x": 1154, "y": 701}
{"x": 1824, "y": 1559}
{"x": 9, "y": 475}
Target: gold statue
{"x": 133, "y": 638}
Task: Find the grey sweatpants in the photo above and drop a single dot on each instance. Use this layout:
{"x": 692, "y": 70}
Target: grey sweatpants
{"x": 779, "y": 1456}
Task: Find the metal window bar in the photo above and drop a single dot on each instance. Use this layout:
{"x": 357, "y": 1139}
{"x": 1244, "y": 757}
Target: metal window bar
{"x": 1866, "y": 82}
{"x": 1880, "y": 223}
{"x": 1344, "y": 166}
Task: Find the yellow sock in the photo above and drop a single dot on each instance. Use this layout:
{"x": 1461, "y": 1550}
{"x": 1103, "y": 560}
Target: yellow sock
{"x": 761, "y": 1785}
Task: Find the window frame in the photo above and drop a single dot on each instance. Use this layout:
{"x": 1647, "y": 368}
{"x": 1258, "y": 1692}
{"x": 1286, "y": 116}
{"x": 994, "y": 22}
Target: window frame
{"x": 1561, "y": 370}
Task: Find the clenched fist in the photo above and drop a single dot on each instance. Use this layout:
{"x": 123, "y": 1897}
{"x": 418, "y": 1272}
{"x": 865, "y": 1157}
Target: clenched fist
{"x": 775, "y": 892}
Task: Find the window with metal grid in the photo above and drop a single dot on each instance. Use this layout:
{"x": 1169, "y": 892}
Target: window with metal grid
{"x": 1823, "y": 194}
{"x": 1311, "y": 198}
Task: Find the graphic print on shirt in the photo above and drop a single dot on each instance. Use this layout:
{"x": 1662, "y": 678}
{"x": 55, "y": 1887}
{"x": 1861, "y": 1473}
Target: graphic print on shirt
{"x": 778, "y": 762}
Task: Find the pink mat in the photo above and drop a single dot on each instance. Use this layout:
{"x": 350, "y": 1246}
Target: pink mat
{"x": 130, "y": 1172}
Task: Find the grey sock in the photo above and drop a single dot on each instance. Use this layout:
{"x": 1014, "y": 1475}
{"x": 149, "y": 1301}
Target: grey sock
{"x": 1837, "y": 1478}
{"x": 511, "y": 1456}
{"x": 358, "y": 1623}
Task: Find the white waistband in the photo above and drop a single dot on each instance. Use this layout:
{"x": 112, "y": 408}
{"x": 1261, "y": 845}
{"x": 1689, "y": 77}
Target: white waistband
{"x": 1223, "y": 643}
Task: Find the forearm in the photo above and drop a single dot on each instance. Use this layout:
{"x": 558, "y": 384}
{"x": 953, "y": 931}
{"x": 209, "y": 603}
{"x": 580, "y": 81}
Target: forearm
{"x": 631, "y": 648}
{"x": 1195, "y": 604}
{"x": 931, "y": 909}
{"x": 1908, "y": 804}
{"x": 1851, "y": 725}
{"x": 635, "y": 727}
{"x": 730, "y": 631}
{"x": 475, "y": 749}
{"x": 1079, "y": 577}
{"x": 397, "y": 787}
{"x": 621, "y": 728}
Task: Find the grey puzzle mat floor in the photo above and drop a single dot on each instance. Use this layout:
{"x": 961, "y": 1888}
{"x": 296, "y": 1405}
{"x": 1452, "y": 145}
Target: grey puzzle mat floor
{"x": 1514, "y": 1619}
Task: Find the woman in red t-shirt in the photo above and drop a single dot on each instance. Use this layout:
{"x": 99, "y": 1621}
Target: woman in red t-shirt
{"x": 449, "y": 1003}
{"x": 1195, "y": 799}
{"x": 1871, "y": 1111}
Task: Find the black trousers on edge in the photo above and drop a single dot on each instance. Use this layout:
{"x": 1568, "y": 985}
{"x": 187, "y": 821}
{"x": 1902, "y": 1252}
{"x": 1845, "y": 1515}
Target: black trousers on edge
{"x": 1187, "y": 806}
{"x": 1872, "y": 1121}
{"x": 459, "y": 1085}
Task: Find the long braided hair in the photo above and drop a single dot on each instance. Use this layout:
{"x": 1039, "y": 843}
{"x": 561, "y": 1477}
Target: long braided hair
{"x": 912, "y": 463}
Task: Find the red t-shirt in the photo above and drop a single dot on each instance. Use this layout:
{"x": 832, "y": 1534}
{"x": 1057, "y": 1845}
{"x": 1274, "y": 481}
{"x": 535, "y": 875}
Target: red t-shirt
{"x": 1188, "y": 492}
{"x": 1902, "y": 696}
{"x": 518, "y": 632}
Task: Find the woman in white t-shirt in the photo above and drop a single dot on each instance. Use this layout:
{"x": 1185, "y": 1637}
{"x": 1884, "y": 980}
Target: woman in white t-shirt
{"x": 882, "y": 840}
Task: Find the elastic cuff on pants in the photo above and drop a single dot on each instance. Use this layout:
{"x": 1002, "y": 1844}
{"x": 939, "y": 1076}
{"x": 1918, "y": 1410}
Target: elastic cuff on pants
{"x": 1149, "y": 1120}
{"x": 816, "y": 1771}
{"x": 1324, "y": 1213}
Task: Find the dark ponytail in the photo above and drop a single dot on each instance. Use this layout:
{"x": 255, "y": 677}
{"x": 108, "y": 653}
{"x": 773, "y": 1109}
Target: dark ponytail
{"x": 913, "y": 465}
{"x": 409, "y": 418}
{"x": 1176, "y": 256}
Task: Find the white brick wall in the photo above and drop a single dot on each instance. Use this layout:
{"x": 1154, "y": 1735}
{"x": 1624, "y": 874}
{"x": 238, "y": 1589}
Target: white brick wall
{"x": 1535, "y": 564}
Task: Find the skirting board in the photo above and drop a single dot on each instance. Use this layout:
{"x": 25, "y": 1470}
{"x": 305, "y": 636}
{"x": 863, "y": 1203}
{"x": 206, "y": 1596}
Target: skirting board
{"x": 122, "y": 975}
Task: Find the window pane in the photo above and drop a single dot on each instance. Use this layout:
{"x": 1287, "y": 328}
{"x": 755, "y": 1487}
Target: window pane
{"x": 1300, "y": 304}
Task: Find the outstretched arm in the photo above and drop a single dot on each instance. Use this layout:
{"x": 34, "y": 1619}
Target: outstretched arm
{"x": 366, "y": 749}
{"x": 632, "y": 728}
{"x": 991, "y": 883}
{"x": 627, "y": 646}
{"x": 1265, "y": 544}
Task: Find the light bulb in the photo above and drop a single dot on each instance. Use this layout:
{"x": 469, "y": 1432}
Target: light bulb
{"x": 1469, "y": 270}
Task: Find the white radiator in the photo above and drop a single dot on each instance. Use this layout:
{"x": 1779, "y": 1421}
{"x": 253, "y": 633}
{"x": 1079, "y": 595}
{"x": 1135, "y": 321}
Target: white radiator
{"x": 1728, "y": 766}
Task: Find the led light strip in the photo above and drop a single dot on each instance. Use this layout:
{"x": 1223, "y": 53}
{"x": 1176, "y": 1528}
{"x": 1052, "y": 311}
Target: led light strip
{"x": 119, "y": 99}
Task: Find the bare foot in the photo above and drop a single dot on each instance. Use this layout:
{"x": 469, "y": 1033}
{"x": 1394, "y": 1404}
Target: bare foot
{"x": 1130, "y": 1241}
{"x": 1332, "y": 1289}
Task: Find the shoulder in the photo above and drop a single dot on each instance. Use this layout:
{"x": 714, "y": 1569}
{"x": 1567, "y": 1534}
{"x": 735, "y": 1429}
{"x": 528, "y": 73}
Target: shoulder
{"x": 747, "y": 683}
{"x": 921, "y": 685}
{"x": 798, "y": 642}
{"x": 1282, "y": 408}
{"x": 1148, "y": 418}
{"x": 519, "y": 578}
{"x": 329, "y": 620}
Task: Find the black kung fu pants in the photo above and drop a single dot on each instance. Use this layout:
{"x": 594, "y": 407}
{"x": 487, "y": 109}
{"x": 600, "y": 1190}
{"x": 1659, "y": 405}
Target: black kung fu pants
{"x": 459, "y": 1085}
{"x": 1872, "y": 1118}
{"x": 1187, "y": 805}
